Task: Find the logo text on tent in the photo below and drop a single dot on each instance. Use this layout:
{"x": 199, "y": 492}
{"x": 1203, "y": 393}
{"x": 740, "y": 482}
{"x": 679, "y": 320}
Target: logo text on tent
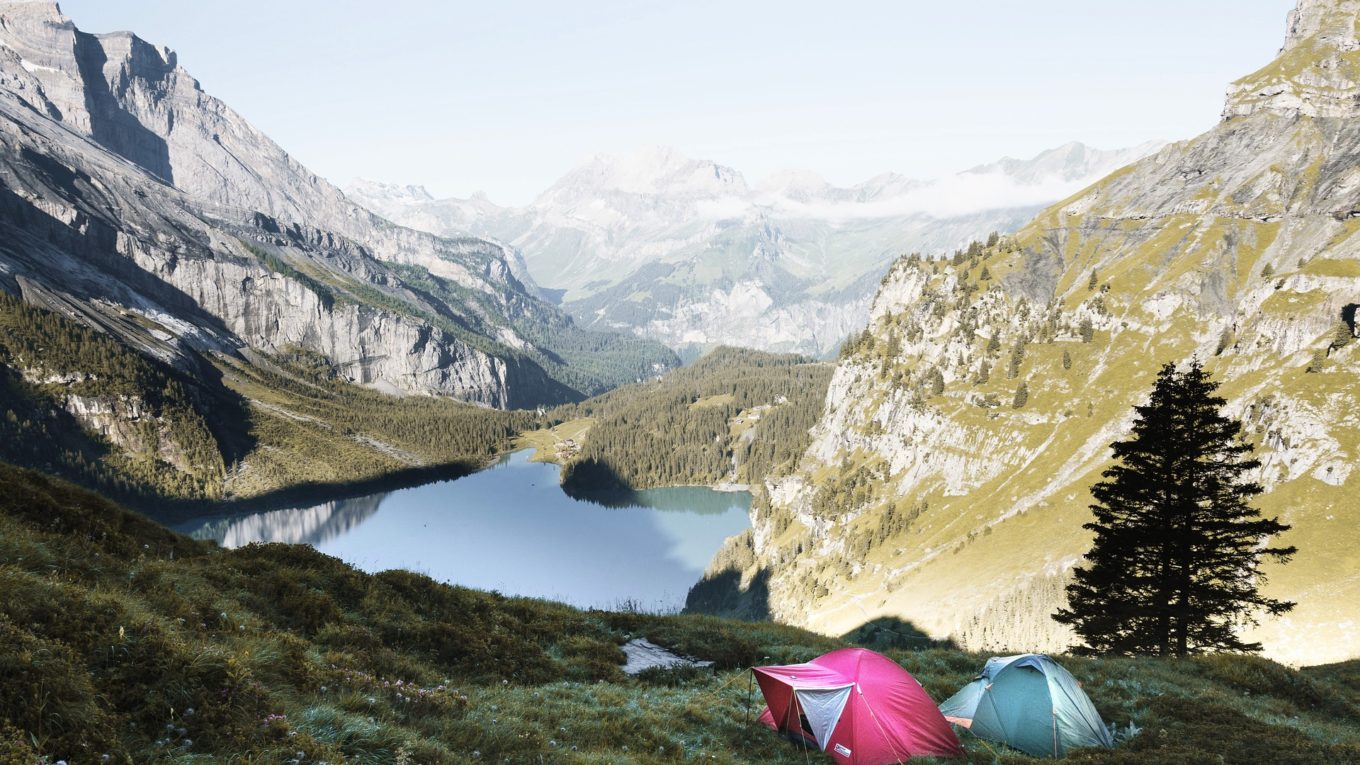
{"x": 842, "y": 750}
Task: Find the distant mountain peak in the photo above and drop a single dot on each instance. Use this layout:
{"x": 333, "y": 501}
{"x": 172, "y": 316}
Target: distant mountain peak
{"x": 396, "y": 192}
{"x": 794, "y": 183}
{"x": 1072, "y": 162}
{"x": 649, "y": 170}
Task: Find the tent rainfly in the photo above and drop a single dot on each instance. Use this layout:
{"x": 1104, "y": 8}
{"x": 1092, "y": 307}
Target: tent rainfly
{"x": 1028, "y": 702}
{"x": 856, "y": 705}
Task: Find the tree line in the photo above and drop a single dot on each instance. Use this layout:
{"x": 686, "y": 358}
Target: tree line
{"x": 736, "y": 414}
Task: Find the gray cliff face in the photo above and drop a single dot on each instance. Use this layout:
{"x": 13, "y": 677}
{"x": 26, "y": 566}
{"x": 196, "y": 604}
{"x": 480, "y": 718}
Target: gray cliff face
{"x": 116, "y": 243}
{"x": 129, "y": 192}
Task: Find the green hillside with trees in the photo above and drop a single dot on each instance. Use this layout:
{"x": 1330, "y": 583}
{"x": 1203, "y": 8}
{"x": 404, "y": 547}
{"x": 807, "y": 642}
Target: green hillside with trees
{"x": 80, "y": 404}
{"x": 77, "y": 403}
{"x": 734, "y": 416}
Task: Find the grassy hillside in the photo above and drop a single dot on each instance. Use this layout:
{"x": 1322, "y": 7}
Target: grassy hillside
{"x": 310, "y": 427}
{"x": 124, "y": 639}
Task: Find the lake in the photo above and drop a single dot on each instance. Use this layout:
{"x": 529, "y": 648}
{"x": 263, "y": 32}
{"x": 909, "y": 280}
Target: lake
{"x": 511, "y": 528}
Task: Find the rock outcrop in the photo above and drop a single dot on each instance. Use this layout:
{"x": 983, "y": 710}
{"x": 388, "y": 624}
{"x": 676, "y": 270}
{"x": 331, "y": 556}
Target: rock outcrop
{"x": 1317, "y": 72}
{"x": 935, "y": 492}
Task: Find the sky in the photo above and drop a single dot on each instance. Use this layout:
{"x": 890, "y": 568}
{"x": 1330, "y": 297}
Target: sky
{"x": 505, "y": 97}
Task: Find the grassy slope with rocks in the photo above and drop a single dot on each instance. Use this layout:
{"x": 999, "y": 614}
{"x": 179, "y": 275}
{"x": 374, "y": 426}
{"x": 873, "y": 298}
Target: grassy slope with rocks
{"x": 932, "y": 492}
{"x": 125, "y": 639}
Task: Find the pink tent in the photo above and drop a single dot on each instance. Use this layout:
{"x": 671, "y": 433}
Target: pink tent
{"x": 858, "y": 706}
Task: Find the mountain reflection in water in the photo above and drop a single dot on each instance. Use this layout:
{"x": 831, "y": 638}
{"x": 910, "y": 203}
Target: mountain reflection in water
{"x": 511, "y": 528}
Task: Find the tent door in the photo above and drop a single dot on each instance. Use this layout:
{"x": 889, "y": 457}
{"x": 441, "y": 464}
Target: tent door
{"x": 823, "y": 708}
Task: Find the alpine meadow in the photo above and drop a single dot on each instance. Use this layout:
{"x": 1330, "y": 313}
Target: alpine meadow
{"x": 756, "y": 410}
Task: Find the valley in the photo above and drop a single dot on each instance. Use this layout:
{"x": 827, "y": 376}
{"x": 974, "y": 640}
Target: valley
{"x": 295, "y": 474}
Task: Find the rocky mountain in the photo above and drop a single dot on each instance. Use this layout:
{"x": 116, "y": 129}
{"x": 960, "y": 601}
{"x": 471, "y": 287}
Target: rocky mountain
{"x": 686, "y": 252}
{"x": 949, "y": 477}
{"x": 135, "y": 202}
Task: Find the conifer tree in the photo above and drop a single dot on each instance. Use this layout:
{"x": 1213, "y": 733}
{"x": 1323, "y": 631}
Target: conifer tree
{"x": 1175, "y": 565}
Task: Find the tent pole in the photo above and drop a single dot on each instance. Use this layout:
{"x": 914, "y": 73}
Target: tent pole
{"x": 750, "y": 688}
{"x": 1055, "y": 733}
{"x": 879, "y": 725}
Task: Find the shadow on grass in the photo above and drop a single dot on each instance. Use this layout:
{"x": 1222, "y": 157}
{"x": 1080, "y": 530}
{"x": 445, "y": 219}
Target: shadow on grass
{"x": 889, "y": 632}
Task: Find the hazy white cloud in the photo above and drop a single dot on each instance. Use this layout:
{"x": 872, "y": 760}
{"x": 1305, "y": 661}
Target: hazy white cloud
{"x": 949, "y": 197}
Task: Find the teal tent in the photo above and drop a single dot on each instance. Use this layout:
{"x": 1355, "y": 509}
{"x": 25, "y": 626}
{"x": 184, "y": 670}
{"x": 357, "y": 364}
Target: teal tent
{"x": 1030, "y": 703}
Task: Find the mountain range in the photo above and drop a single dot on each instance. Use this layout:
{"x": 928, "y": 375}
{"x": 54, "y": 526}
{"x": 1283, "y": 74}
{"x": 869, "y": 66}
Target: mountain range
{"x": 137, "y": 203}
{"x": 687, "y": 252}
{"x": 949, "y": 477}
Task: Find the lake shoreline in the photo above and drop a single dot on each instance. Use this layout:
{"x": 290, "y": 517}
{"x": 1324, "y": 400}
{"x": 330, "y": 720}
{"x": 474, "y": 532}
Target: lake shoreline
{"x": 510, "y": 528}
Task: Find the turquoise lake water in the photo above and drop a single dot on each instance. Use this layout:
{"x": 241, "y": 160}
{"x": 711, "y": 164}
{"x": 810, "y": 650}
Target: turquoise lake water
{"x": 511, "y": 528}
